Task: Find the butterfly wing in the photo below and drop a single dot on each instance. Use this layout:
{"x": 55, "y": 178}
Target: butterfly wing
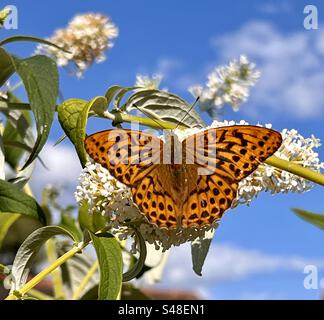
{"x": 233, "y": 153}
{"x": 134, "y": 158}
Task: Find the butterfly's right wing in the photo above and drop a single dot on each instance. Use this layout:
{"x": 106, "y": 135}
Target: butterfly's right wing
{"x": 221, "y": 158}
{"x": 134, "y": 158}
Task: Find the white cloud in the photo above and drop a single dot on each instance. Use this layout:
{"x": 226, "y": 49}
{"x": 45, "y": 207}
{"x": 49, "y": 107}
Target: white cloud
{"x": 291, "y": 64}
{"x": 63, "y": 169}
{"x": 227, "y": 263}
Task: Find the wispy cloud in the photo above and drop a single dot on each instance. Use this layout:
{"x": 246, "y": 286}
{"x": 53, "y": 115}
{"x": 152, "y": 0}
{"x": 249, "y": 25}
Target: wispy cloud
{"x": 291, "y": 64}
{"x": 227, "y": 263}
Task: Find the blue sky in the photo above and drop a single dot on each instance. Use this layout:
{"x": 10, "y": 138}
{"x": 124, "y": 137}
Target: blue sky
{"x": 259, "y": 251}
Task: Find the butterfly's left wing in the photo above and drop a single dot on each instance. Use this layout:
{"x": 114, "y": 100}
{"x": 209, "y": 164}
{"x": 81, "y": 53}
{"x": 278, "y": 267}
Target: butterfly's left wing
{"x": 134, "y": 158}
{"x": 221, "y": 158}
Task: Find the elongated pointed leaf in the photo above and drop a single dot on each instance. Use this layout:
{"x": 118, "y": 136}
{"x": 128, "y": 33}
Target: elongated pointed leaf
{"x": 165, "y": 106}
{"x": 69, "y": 224}
{"x": 6, "y": 221}
{"x": 40, "y": 77}
{"x": 199, "y": 251}
{"x": 2, "y": 160}
{"x": 73, "y": 116}
{"x": 31, "y": 39}
{"x": 18, "y": 128}
{"x": 110, "y": 264}
{"x": 313, "y": 218}
{"x": 6, "y": 66}
{"x": 15, "y": 201}
{"x": 28, "y": 250}
{"x": 90, "y": 221}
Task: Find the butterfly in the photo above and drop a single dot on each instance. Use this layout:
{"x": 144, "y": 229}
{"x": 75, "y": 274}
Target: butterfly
{"x": 183, "y": 184}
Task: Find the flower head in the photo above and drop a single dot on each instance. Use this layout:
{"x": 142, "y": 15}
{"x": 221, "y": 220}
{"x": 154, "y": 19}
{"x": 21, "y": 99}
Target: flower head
{"x": 87, "y": 37}
{"x": 147, "y": 83}
{"x": 106, "y": 195}
{"x": 227, "y": 85}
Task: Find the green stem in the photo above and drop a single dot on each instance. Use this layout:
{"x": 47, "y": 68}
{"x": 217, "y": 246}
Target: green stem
{"x": 157, "y": 124}
{"x": 56, "y": 274}
{"x": 79, "y": 289}
{"x": 39, "y": 295}
{"x": 38, "y": 278}
{"x": 296, "y": 169}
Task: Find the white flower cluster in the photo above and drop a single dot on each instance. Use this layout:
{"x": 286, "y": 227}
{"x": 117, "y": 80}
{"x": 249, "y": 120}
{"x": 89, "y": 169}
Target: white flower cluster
{"x": 106, "y": 195}
{"x": 227, "y": 85}
{"x": 87, "y": 37}
{"x": 294, "y": 148}
{"x": 148, "y": 83}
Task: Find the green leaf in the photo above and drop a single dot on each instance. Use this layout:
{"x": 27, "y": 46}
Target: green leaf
{"x": 2, "y": 160}
{"x": 6, "y": 66}
{"x": 73, "y": 115}
{"x": 110, "y": 260}
{"x": 31, "y": 39}
{"x": 165, "y": 106}
{"x": 15, "y": 201}
{"x": 137, "y": 269}
{"x": 313, "y": 218}
{"x": 199, "y": 251}
{"x": 90, "y": 221}
{"x": 28, "y": 250}
{"x": 18, "y": 128}
{"x": 40, "y": 77}
{"x": 69, "y": 224}
{"x": 6, "y": 221}
{"x": 111, "y": 92}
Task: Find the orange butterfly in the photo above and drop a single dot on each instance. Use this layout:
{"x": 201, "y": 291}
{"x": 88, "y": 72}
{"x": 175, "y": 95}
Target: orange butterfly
{"x": 190, "y": 185}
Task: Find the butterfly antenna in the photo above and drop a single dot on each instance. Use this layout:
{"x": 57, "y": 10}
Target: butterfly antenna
{"x": 187, "y": 113}
{"x": 149, "y": 116}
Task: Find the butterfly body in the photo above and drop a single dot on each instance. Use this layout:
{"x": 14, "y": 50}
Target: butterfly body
{"x": 183, "y": 184}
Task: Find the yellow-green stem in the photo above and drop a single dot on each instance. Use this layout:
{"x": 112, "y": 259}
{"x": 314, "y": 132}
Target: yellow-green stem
{"x": 79, "y": 289}
{"x": 38, "y": 278}
{"x": 157, "y": 124}
{"x": 39, "y": 295}
{"x": 296, "y": 169}
{"x": 56, "y": 274}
